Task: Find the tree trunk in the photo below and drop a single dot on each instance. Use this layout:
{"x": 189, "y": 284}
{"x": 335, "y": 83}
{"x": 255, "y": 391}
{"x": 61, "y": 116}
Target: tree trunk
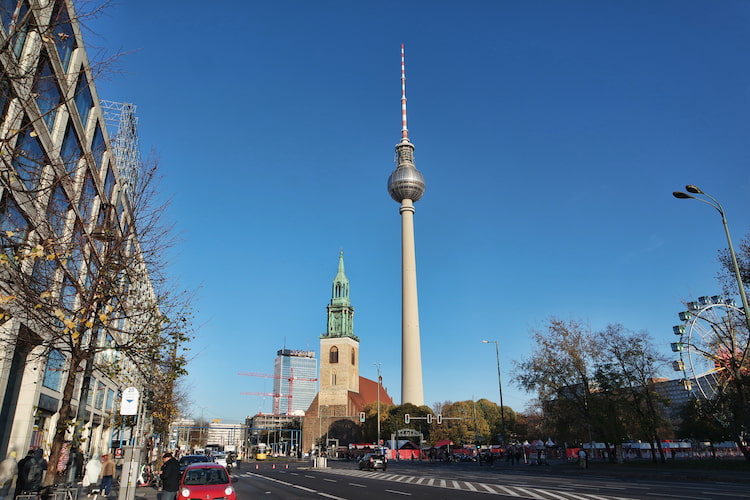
{"x": 63, "y": 422}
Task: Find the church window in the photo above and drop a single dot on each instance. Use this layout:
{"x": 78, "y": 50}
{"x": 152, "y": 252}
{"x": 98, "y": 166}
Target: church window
{"x": 333, "y": 355}
{"x": 333, "y": 379}
{"x": 353, "y": 357}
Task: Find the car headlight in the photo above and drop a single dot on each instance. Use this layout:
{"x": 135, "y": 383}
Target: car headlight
{"x": 185, "y": 492}
{"x": 228, "y": 490}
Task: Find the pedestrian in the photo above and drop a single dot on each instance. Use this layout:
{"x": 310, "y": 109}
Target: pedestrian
{"x": 582, "y": 459}
{"x": 8, "y": 471}
{"x": 170, "y": 477}
{"x": 20, "y": 481}
{"x": 93, "y": 471}
{"x": 108, "y": 474}
{"x": 33, "y": 471}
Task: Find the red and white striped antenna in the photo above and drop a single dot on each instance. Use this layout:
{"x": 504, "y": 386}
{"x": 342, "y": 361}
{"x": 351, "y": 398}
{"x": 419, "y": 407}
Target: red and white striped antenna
{"x": 404, "y": 129}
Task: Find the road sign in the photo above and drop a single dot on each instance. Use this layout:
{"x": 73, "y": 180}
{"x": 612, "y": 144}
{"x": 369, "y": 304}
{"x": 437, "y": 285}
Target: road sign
{"x": 129, "y": 404}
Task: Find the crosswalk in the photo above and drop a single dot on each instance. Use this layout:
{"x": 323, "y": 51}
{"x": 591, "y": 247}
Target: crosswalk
{"x": 479, "y": 487}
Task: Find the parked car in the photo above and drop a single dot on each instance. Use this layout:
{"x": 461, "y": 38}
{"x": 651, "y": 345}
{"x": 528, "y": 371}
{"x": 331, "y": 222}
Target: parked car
{"x": 373, "y": 461}
{"x": 220, "y": 459}
{"x": 206, "y": 480}
{"x": 186, "y": 460}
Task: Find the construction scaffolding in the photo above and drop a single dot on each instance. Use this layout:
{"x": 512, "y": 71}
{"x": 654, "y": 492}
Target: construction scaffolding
{"x": 122, "y": 124}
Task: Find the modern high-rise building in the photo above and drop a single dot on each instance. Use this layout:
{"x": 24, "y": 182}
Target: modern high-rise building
{"x": 295, "y": 381}
{"x": 406, "y": 186}
{"x": 64, "y": 197}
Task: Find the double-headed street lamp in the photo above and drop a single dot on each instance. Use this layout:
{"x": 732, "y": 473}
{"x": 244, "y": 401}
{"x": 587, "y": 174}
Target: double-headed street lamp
{"x": 500, "y": 386}
{"x": 714, "y": 203}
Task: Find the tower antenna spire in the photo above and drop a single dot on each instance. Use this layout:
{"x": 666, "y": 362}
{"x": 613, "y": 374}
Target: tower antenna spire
{"x": 404, "y": 129}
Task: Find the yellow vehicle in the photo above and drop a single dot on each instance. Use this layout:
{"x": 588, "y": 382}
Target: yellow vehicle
{"x": 260, "y": 456}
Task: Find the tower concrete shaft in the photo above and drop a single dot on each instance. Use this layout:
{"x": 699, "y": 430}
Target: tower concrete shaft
{"x": 411, "y": 354}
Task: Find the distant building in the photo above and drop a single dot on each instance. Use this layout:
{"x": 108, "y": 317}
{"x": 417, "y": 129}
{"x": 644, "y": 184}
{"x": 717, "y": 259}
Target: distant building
{"x": 225, "y": 435}
{"x": 295, "y": 381}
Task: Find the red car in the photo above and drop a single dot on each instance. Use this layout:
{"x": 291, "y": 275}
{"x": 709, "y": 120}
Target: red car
{"x": 206, "y": 481}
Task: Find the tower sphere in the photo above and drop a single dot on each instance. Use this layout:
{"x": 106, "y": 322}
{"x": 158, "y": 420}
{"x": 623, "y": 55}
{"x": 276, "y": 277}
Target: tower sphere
{"x": 406, "y": 183}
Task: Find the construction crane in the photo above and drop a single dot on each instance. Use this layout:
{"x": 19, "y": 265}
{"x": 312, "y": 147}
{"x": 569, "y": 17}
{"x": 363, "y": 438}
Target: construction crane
{"x": 277, "y": 397}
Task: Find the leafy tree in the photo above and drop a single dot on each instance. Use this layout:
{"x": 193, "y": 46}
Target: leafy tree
{"x": 561, "y": 370}
{"x": 627, "y": 370}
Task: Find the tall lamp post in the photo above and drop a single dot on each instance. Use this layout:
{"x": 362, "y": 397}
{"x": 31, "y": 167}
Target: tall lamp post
{"x": 500, "y": 386}
{"x": 380, "y": 382}
{"x": 714, "y": 203}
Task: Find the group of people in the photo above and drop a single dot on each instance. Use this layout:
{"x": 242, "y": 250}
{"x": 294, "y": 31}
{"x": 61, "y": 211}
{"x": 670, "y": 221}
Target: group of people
{"x": 99, "y": 473}
{"x": 27, "y": 472}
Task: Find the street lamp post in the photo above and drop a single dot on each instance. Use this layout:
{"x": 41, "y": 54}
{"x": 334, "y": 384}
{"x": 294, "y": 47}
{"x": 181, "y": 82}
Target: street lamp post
{"x": 500, "y": 386}
{"x": 714, "y": 203}
{"x": 380, "y": 381}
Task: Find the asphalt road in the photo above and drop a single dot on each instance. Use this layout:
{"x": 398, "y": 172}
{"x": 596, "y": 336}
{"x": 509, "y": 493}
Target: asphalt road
{"x": 342, "y": 480}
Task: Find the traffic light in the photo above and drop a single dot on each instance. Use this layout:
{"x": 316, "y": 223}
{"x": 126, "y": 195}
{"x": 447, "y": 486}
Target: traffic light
{"x": 406, "y": 418}
{"x": 440, "y": 418}
{"x": 362, "y": 417}
{"x": 429, "y": 418}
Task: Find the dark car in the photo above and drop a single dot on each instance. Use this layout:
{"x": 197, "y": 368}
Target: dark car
{"x": 373, "y": 461}
{"x": 186, "y": 460}
{"x": 205, "y": 481}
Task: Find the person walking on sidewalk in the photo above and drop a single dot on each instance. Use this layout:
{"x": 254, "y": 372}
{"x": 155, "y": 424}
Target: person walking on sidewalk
{"x": 170, "y": 477}
{"x": 108, "y": 473}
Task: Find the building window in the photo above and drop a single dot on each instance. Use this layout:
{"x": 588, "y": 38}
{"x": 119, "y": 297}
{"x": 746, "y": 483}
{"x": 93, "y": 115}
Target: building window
{"x": 109, "y": 182}
{"x": 100, "y": 391}
{"x": 13, "y": 225}
{"x": 43, "y": 275}
{"x": 71, "y": 149}
{"x": 62, "y": 32}
{"x": 10, "y": 17}
{"x": 353, "y": 357}
{"x": 28, "y": 157}
{"x": 5, "y": 96}
{"x": 54, "y": 369}
{"x": 86, "y": 200}
{"x": 57, "y": 210}
{"x": 110, "y": 400}
{"x": 84, "y": 101}
{"x": 98, "y": 146}
{"x": 333, "y": 355}
{"x": 333, "y": 379}
{"x": 48, "y": 96}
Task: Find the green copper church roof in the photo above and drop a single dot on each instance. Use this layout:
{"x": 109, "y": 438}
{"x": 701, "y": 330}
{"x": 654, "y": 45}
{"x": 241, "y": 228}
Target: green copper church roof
{"x": 340, "y": 310}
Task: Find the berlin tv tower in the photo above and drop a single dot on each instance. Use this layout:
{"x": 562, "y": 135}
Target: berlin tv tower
{"x": 406, "y": 186}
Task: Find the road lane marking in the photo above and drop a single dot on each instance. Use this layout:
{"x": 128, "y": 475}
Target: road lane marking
{"x": 518, "y": 490}
{"x": 358, "y": 485}
{"x": 399, "y": 492}
{"x": 299, "y": 487}
{"x": 330, "y": 480}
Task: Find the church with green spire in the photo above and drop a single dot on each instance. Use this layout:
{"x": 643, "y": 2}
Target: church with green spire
{"x": 342, "y": 393}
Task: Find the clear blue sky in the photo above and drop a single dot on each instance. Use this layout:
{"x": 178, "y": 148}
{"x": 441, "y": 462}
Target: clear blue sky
{"x": 550, "y": 134}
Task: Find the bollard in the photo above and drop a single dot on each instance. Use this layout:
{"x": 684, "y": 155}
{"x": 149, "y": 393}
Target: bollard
{"x": 286, "y": 466}
{"x": 256, "y": 466}
{"x": 273, "y": 466}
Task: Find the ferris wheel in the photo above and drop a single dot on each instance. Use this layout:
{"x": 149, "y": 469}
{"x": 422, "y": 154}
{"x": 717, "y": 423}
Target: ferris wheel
{"x": 713, "y": 339}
